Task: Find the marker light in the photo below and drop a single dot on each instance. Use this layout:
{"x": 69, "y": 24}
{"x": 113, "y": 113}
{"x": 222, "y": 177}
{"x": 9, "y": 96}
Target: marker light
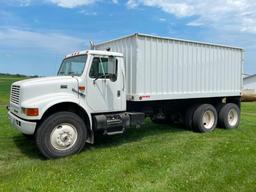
{"x": 81, "y": 88}
{"x": 30, "y": 111}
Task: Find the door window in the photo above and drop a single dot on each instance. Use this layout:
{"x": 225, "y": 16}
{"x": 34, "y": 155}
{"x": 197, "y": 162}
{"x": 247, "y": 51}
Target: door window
{"x": 104, "y": 68}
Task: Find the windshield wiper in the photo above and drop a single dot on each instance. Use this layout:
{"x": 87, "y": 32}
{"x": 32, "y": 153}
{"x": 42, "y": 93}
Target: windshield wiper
{"x": 61, "y": 73}
{"x": 71, "y": 73}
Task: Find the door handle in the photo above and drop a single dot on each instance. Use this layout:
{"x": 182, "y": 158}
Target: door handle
{"x": 118, "y": 93}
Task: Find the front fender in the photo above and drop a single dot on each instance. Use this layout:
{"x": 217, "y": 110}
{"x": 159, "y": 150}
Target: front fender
{"x": 47, "y": 101}
{"x": 43, "y": 103}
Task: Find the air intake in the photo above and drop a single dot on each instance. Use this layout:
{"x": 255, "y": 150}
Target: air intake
{"x": 15, "y": 94}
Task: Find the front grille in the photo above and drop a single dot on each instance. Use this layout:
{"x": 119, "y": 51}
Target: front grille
{"x": 15, "y": 94}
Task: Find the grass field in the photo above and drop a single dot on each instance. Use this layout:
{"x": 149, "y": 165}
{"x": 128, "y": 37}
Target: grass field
{"x": 152, "y": 158}
{"x": 5, "y": 83}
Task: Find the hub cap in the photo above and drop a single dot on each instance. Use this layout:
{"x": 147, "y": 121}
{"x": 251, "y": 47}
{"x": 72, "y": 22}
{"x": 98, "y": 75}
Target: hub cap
{"x": 63, "y": 136}
{"x": 208, "y": 119}
{"x": 232, "y": 117}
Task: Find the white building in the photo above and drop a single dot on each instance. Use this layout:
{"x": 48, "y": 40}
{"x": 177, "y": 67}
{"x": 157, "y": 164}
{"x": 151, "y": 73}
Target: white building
{"x": 246, "y": 75}
{"x": 250, "y": 82}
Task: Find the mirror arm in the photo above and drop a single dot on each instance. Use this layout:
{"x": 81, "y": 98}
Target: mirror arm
{"x": 94, "y": 81}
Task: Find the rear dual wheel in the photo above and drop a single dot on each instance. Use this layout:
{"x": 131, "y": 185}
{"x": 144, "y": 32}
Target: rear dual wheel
{"x": 204, "y": 118}
{"x": 189, "y": 117}
{"x": 229, "y": 116}
{"x": 201, "y": 118}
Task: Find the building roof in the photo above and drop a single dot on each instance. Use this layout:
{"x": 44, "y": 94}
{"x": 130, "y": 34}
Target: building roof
{"x": 251, "y": 76}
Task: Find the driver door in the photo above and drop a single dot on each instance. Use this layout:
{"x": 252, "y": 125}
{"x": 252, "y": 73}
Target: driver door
{"x": 104, "y": 85}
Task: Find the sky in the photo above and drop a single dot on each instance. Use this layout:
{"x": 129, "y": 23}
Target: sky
{"x": 35, "y": 35}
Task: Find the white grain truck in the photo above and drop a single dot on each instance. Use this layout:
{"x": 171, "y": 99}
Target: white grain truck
{"x": 118, "y": 83}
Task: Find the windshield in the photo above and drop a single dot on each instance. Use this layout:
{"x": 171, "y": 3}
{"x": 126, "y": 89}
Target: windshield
{"x": 73, "y": 66}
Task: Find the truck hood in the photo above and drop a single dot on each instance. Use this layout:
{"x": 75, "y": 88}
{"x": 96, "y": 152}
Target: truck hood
{"x": 37, "y": 88}
{"x": 44, "y": 81}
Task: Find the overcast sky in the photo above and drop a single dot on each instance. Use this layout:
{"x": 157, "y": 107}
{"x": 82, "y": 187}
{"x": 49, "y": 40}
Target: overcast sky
{"x": 36, "y": 34}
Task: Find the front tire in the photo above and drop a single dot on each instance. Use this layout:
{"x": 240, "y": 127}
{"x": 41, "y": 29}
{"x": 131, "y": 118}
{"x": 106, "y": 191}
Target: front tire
{"x": 61, "y": 134}
{"x": 229, "y": 116}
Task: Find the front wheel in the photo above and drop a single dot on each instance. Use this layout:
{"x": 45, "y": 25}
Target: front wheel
{"x": 61, "y": 134}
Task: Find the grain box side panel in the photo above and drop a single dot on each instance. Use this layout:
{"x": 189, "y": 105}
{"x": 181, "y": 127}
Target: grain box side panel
{"x": 172, "y": 69}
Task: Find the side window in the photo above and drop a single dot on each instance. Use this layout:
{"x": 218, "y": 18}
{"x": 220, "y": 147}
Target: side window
{"x": 94, "y": 71}
{"x": 103, "y": 67}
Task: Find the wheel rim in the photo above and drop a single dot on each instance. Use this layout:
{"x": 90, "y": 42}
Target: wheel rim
{"x": 208, "y": 119}
{"x": 232, "y": 117}
{"x": 63, "y": 136}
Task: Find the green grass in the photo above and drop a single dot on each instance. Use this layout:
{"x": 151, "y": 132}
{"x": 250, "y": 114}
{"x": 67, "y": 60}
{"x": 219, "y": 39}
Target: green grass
{"x": 5, "y": 83}
{"x": 152, "y": 158}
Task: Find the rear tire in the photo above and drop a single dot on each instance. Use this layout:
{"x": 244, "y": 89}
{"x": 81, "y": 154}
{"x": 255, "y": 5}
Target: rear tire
{"x": 159, "y": 118}
{"x": 229, "y": 116}
{"x": 205, "y": 118}
{"x": 158, "y": 121}
{"x": 61, "y": 134}
{"x": 189, "y": 117}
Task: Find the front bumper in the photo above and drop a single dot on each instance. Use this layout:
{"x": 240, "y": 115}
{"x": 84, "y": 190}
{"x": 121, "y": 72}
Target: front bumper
{"x": 25, "y": 127}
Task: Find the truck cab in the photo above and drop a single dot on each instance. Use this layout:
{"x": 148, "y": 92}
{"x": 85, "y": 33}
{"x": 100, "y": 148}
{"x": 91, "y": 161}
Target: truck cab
{"x": 68, "y": 107}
